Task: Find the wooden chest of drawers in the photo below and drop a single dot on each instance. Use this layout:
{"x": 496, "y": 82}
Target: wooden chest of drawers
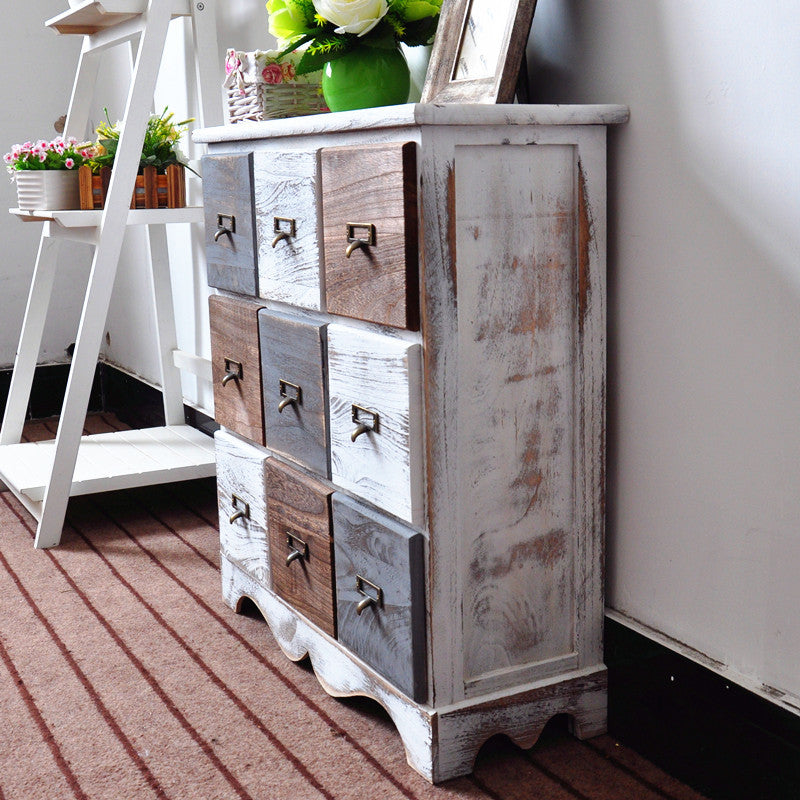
{"x": 423, "y": 289}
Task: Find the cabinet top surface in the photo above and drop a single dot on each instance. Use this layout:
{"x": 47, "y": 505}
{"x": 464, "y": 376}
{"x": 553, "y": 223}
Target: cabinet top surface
{"x": 412, "y": 115}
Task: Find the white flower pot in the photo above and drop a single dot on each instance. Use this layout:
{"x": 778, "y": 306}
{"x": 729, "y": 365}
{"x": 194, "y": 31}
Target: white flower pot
{"x": 47, "y": 189}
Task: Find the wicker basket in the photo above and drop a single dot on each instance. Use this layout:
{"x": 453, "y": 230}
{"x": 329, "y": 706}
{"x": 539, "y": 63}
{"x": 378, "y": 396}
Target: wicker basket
{"x": 258, "y": 87}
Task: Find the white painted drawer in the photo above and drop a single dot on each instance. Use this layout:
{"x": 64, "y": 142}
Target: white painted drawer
{"x": 287, "y": 205}
{"x": 242, "y": 499}
{"x": 370, "y": 374}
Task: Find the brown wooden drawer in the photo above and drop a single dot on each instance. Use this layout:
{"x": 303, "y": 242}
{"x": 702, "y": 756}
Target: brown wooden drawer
{"x": 293, "y": 356}
{"x": 236, "y": 365}
{"x": 230, "y": 222}
{"x": 242, "y": 500}
{"x": 288, "y": 227}
{"x": 370, "y": 193}
{"x": 380, "y": 593}
{"x": 301, "y": 548}
{"x": 376, "y": 419}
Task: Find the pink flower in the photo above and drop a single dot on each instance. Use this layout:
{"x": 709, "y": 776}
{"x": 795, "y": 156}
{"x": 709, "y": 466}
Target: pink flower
{"x": 232, "y": 63}
{"x": 43, "y": 156}
{"x": 272, "y": 73}
{"x": 69, "y": 163}
{"x": 8, "y": 158}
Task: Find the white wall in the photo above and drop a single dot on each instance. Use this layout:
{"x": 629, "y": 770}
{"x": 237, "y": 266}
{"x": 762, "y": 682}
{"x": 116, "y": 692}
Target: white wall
{"x": 704, "y": 313}
{"x": 34, "y": 93}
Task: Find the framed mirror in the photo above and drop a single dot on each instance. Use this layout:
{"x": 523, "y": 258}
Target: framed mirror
{"x": 477, "y": 51}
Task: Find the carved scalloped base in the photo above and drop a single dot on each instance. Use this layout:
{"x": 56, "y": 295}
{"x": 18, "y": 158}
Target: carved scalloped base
{"x": 440, "y": 743}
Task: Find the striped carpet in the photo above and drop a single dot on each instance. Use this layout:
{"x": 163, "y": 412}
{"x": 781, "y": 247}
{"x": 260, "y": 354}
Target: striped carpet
{"x": 124, "y": 676}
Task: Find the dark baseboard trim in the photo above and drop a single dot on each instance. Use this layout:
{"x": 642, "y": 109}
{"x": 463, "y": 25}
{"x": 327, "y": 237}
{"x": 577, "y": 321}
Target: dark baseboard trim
{"x": 133, "y": 402}
{"x": 725, "y": 741}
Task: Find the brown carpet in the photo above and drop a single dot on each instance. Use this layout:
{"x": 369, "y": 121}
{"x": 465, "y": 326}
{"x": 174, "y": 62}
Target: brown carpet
{"x": 123, "y": 675}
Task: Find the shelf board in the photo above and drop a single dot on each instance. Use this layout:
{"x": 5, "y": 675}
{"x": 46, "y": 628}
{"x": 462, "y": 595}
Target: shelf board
{"x": 110, "y": 461}
{"x": 74, "y": 218}
{"x": 88, "y": 17}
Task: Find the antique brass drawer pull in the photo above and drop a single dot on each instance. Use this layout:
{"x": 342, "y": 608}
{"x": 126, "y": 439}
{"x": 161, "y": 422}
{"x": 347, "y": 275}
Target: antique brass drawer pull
{"x": 239, "y": 512}
{"x": 281, "y": 233}
{"x": 222, "y": 228}
{"x": 291, "y": 393}
{"x": 233, "y": 371}
{"x": 357, "y": 241}
{"x": 374, "y": 599}
{"x": 298, "y": 548}
{"x": 366, "y": 421}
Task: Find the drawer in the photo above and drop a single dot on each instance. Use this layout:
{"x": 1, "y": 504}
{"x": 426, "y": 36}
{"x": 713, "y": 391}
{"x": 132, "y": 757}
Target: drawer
{"x": 236, "y": 365}
{"x": 288, "y": 229}
{"x": 301, "y": 547}
{"x": 380, "y": 593}
{"x": 293, "y": 357}
{"x": 376, "y": 419}
{"x": 369, "y": 196}
{"x": 242, "y": 500}
{"x": 230, "y": 222}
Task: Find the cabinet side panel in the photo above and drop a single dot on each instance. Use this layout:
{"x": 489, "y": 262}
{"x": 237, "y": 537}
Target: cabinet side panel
{"x": 515, "y": 240}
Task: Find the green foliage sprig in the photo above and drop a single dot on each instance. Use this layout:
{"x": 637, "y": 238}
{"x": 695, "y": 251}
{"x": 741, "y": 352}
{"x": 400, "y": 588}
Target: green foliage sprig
{"x": 331, "y": 28}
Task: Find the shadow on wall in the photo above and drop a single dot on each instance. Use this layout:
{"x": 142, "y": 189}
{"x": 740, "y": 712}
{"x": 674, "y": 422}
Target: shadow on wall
{"x": 704, "y": 315}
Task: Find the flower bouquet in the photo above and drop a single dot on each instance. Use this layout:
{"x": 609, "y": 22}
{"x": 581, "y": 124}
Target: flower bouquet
{"x": 46, "y": 173}
{"x": 355, "y": 43}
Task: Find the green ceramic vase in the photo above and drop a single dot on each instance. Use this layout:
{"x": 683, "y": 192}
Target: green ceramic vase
{"x": 366, "y": 77}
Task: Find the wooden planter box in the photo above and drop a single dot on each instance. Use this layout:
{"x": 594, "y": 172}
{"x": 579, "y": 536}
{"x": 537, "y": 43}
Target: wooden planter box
{"x": 151, "y": 190}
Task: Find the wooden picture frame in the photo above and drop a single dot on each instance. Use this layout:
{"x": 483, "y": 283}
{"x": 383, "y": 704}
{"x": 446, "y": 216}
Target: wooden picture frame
{"x": 478, "y": 50}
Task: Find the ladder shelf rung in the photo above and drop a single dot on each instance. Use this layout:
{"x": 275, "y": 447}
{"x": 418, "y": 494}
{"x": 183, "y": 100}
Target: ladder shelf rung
{"x": 74, "y": 218}
{"x": 88, "y": 17}
{"x": 110, "y": 461}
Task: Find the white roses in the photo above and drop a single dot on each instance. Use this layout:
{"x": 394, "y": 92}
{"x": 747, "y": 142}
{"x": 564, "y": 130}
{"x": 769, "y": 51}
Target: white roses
{"x": 352, "y": 16}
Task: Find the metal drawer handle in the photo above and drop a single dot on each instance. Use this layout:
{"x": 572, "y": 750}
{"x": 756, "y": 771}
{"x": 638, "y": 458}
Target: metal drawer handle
{"x": 238, "y": 513}
{"x": 222, "y": 228}
{"x": 233, "y": 371}
{"x": 358, "y": 241}
{"x": 280, "y": 232}
{"x": 298, "y": 548}
{"x": 291, "y": 393}
{"x": 366, "y": 421}
{"x": 375, "y": 599}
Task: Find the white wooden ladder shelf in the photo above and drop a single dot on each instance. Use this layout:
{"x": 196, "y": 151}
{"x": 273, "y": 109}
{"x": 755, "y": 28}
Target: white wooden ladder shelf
{"x": 45, "y": 475}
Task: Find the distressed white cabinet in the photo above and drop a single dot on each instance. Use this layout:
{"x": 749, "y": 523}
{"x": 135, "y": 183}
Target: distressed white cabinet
{"x": 457, "y": 254}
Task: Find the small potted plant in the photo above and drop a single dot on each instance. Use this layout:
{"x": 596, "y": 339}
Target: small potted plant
{"x": 46, "y": 173}
{"x": 161, "y": 182}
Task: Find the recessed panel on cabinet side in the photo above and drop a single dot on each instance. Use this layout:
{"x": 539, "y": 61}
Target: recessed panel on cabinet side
{"x": 515, "y": 234}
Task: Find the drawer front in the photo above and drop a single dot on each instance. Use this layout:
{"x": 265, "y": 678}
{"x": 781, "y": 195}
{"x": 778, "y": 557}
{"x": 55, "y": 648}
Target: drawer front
{"x": 301, "y": 547}
{"x": 236, "y": 366}
{"x": 376, "y": 419}
{"x": 380, "y": 593}
{"x": 369, "y": 196}
{"x": 288, "y": 230}
{"x": 242, "y": 500}
{"x": 293, "y": 356}
{"x": 230, "y": 222}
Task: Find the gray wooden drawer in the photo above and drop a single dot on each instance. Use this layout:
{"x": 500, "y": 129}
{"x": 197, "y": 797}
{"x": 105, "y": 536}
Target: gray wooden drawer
{"x": 288, "y": 228}
{"x": 230, "y": 222}
{"x": 376, "y": 419}
{"x": 301, "y": 548}
{"x": 236, "y": 365}
{"x": 380, "y": 593}
{"x": 242, "y": 500}
{"x": 369, "y": 210}
{"x": 293, "y": 356}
